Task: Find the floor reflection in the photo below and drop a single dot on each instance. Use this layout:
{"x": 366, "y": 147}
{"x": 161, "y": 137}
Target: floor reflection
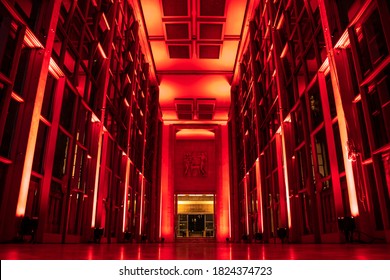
{"x": 195, "y": 251}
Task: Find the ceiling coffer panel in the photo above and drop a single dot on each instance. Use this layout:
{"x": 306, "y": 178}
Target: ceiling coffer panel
{"x": 185, "y": 116}
{"x": 210, "y": 31}
{"x": 175, "y": 8}
{"x": 212, "y": 8}
{"x": 184, "y": 108}
{"x": 177, "y": 31}
{"x": 209, "y": 51}
{"x": 205, "y": 109}
{"x": 179, "y": 51}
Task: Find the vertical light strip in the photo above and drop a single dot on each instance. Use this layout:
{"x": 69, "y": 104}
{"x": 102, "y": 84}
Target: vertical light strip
{"x": 127, "y": 175}
{"x": 161, "y": 209}
{"x": 97, "y": 174}
{"x": 349, "y": 176}
{"x": 223, "y": 188}
{"x": 33, "y": 133}
{"x": 167, "y": 227}
{"x": 31, "y": 142}
{"x": 339, "y": 108}
{"x": 142, "y": 201}
{"x": 230, "y": 214}
{"x": 246, "y": 203}
{"x": 260, "y": 218}
{"x": 226, "y": 172}
{"x": 28, "y": 161}
{"x": 285, "y": 171}
{"x": 349, "y": 173}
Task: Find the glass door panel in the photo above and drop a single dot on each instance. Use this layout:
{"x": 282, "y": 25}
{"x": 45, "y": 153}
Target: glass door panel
{"x": 195, "y": 215}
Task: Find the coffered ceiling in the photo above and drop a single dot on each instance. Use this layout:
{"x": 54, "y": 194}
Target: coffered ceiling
{"x": 194, "y": 45}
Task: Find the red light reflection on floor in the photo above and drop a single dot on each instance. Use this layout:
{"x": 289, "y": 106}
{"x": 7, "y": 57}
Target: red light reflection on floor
{"x": 195, "y": 251}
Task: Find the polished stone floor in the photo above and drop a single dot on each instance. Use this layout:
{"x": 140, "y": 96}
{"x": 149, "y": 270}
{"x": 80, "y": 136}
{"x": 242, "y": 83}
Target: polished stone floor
{"x": 195, "y": 251}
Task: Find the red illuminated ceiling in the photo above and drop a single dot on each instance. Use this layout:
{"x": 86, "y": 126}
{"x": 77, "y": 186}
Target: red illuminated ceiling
{"x": 194, "y": 44}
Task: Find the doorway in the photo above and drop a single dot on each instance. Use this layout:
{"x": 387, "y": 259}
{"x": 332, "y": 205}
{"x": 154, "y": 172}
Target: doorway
{"x": 195, "y": 216}
{"x": 196, "y": 225}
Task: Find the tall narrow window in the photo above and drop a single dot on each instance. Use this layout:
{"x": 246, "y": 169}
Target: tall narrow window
{"x": 377, "y": 120}
{"x": 32, "y": 204}
{"x": 56, "y": 208}
{"x": 47, "y": 105}
{"x": 7, "y": 55}
{"x": 3, "y": 173}
{"x": 372, "y": 46}
{"x": 68, "y": 104}
{"x": 332, "y": 103}
{"x": 339, "y": 149}
{"x": 323, "y": 167}
{"x": 9, "y": 129}
{"x": 22, "y": 71}
{"x": 315, "y": 106}
{"x": 61, "y": 155}
{"x": 29, "y": 10}
{"x": 40, "y": 146}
